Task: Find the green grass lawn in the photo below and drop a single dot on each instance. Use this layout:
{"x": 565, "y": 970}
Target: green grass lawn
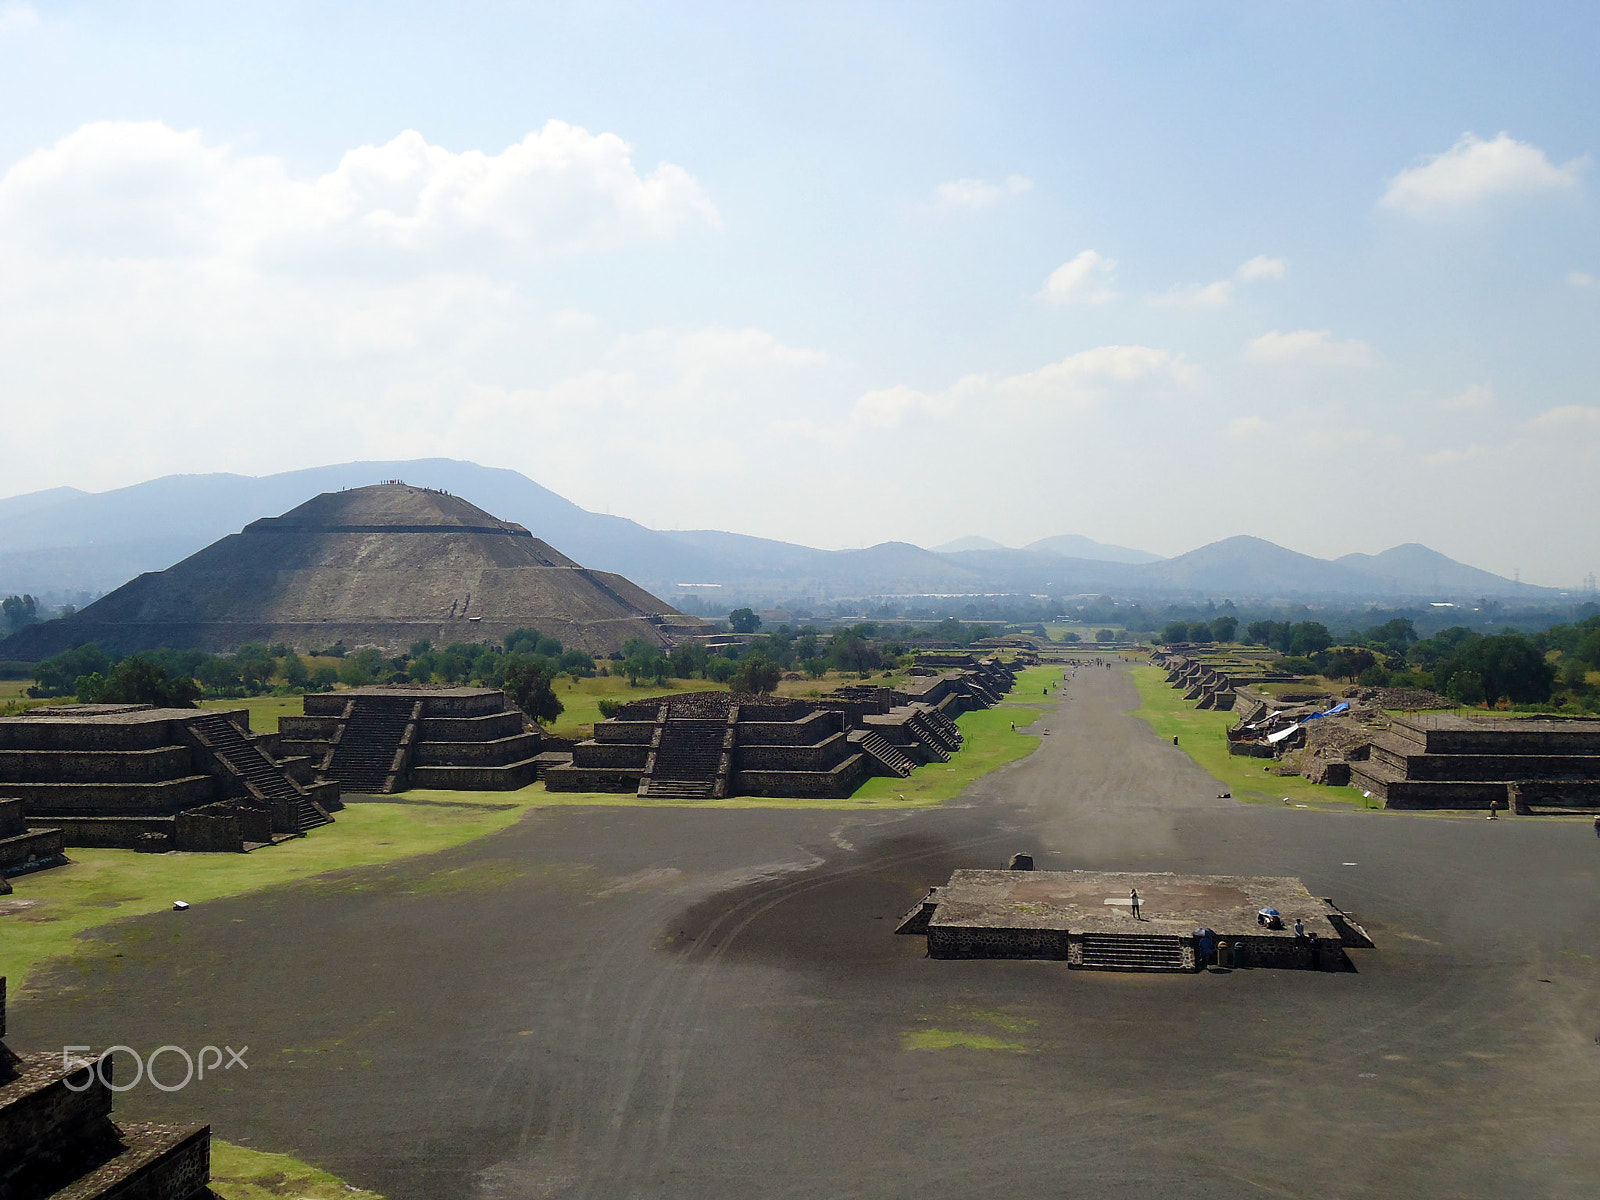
{"x": 99, "y": 886}
{"x": 264, "y": 710}
{"x": 239, "y": 1173}
{"x": 1201, "y": 734}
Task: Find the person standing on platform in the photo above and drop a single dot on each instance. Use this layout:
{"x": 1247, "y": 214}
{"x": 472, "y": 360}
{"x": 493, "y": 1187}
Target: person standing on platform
{"x": 1133, "y": 898}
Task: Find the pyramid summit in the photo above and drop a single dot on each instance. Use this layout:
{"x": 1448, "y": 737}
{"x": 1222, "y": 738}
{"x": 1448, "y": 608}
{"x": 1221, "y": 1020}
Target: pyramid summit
{"x": 383, "y": 565}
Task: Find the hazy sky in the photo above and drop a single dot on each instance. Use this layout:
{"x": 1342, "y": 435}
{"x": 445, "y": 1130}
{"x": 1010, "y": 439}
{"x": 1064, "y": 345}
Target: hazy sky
{"x": 837, "y": 274}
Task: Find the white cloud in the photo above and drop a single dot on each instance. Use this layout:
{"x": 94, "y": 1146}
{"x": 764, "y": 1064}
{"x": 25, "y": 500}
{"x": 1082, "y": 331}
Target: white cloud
{"x": 1214, "y": 295}
{"x": 1474, "y": 169}
{"x": 1580, "y": 279}
{"x": 17, "y": 16}
{"x": 972, "y": 194}
{"x": 1194, "y": 295}
{"x": 122, "y": 189}
{"x": 1249, "y": 426}
{"x": 1450, "y": 458}
{"x": 1078, "y": 382}
{"x": 1261, "y": 267}
{"x": 1086, "y": 279}
{"x": 1477, "y": 398}
{"x": 1568, "y": 416}
{"x": 1309, "y": 348}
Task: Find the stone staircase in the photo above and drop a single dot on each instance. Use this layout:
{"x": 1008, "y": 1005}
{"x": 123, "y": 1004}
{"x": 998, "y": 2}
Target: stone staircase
{"x": 933, "y": 735}
{"x": 1132, "y": 952}
{"x": 263, "y": 776}
{"x": 370, "y": 753}
{"x": 879, "y": 748}
{"x": 687, "y": 762}
{"x": 57, "y": 1138}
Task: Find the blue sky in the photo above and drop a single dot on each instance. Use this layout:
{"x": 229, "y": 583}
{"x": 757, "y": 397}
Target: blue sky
{"x": 836, "y": 274}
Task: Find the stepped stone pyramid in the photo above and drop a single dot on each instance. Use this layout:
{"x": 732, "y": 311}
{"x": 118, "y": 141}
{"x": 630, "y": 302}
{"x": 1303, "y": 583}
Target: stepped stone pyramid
{"x": 385, "y": 565}
{"x": 57, "y": 1138}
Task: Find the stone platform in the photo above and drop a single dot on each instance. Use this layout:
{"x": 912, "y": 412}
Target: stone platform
{"x": 1086, "y": 919}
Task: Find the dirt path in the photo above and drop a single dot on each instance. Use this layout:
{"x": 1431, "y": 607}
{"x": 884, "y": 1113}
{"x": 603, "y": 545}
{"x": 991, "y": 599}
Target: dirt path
{"x": 677, "y": 1003}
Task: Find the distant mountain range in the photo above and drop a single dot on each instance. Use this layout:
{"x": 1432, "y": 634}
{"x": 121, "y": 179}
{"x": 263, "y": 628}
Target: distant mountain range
{"x": 1066, "y": 545}
{"x": 66, "y": 540}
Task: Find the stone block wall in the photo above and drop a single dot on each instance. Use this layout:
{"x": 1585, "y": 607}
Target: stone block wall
{"x": 823, "y": 756}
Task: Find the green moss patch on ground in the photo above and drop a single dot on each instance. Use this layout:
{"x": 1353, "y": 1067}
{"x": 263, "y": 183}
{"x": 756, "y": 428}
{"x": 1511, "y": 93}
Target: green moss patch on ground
{"x": 239, "y": 1173}
{"x": 99, "y": 886}
{"x": 1202, "y": 734}
{"x": 955, "y": 1039}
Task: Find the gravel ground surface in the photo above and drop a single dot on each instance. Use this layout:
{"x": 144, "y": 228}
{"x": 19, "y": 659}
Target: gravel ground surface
{"x": 645, "y": 1003}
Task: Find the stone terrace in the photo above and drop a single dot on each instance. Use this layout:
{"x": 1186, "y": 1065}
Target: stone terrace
{"x": 1442, "y": 760}
{"x": 1086, "y": 919}
{"x": 380, "y": 740}
{"x": 156, "y": 779}
{"x": 710, "y": 745}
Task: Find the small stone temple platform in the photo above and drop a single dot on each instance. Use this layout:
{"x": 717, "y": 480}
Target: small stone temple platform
{"x": 136, "y": 777}
{"x": 1085, "y": 918}
{"x": 379, "y": 740}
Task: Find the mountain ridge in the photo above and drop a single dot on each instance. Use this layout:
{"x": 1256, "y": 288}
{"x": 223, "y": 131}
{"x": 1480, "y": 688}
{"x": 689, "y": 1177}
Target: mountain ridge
{"x": 65, "y": 538}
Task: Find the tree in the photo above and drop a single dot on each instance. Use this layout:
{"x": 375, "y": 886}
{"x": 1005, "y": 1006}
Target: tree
{"x": 1105, "y": 635}
{"x": 1224, "y": 628}
{"x": 531, "y": 688}
{"x": 743, "y": 620}
{"x": 1200, "y": 632}
{"x": 293, "y": 669}
{"x": 1176, "y": 631}
{"x": 1309, "y": 638}
{"x": 19, "y": 611}
{"x": 137, "y": 680}
{"x": 757, "y": 674}
{"x": 58, "y": 676}
{"x": 1349, "y": 662}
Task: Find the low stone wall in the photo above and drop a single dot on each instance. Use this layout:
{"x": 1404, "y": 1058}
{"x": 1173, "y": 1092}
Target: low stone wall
{"x": 36, "y": 733}
{"x": 111, "y": 833}
{"x": 823, "y": 756}
{"x": 31, "y": 851}
{"x": 307, "y": 729}
{"x": 213, "y": 829}
{"x": 56, "y": 800}
{"x": 503, "y": 778}
{"x": 614, "y": 755}
{"x": 807, "y": 731}
{"x": 1287, "y": 953}
{"x": 592, "y": 779}
{"x": 488, "y": 727}
{"x": 497, "y": 753}
{"x": 632, "y": 732}
{"x": 836, "y": 784}
{"x": 96, "y": 766}
{"x": 326, "y": 794}
{"x": 960, "y": 942}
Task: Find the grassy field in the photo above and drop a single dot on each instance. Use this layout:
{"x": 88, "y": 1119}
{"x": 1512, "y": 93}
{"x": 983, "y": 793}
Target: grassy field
{"x": 264, "y": 710}
{"x": 99, "y": 886}
{"x": 1200, "y": 732}
{"x": 239, "y": 1173}
{"x": 11, "y": 689}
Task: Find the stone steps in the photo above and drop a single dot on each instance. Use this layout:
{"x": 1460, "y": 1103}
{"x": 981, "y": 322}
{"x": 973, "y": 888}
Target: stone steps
{"x": 878, "y": 747}
{"x": 1131, "y": 952}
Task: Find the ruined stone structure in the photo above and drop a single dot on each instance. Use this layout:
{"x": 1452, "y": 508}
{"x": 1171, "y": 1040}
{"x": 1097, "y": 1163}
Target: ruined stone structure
{"x": 23, "y": 850}
{"x": 710, "y": 745}
{"x": 57, "y": 1138}
{"x": 156, "y": 779}
{"x": 386, "y": 565}
{"x": 379, "y": 740}
{"x": 1087, "y": 920}
{"x": 1441, "y": 760}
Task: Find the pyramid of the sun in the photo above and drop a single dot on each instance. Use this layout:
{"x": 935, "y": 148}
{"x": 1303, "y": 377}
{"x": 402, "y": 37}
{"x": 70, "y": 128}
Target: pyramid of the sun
{"x": 385, "y": 565}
